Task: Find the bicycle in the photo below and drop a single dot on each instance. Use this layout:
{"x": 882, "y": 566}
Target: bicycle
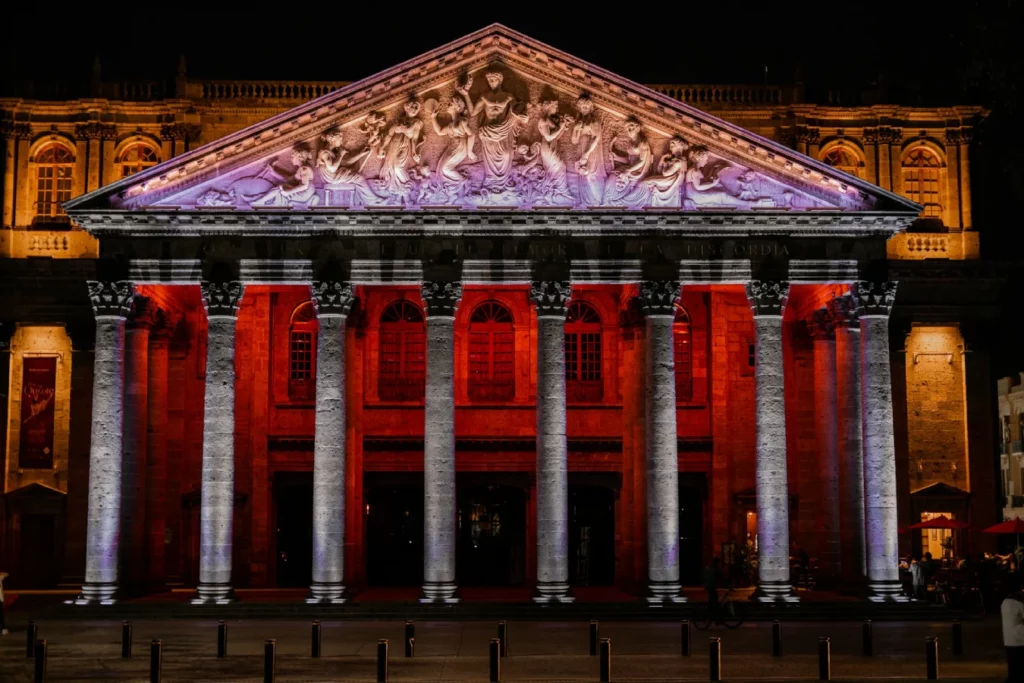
{"x": 727, "y": 615}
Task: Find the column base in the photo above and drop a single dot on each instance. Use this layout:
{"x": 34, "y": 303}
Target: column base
{"x": 886, "y": 591}
{"x": 772, "y": 592}
{"x": 96, "y": 594}
{"x": 439, "y": 593}
{"x": 664, "y": 593}
{"x": 553, "y": 592}
{"x": 214, "y": 594}
{"x": 326, "y": 593}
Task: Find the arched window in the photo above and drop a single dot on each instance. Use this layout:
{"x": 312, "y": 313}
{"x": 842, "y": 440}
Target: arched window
{"x": 136, "y": 157}
{"x": 583, "y": 353}
{"x": 921, "y": 180}
{"x": 402, "y": 375}
{"x": 302, "y": 353}
{"x": 55, "y": 165}
{"x": 844, "y": 160}
{"x": 491, "y": 353}
{"x": 683, "y": 356}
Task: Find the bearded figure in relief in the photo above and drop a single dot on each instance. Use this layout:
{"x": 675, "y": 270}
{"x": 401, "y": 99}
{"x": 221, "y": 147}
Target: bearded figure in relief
{"x": 497, "y": 132}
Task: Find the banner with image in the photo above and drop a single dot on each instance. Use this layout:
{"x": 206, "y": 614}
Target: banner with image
{"x": 38, "y": 392}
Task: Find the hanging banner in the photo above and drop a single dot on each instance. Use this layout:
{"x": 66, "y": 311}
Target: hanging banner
{"x": 38, "y": 390}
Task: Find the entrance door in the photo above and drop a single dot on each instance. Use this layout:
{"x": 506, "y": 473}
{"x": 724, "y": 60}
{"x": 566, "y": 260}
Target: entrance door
{"x": 591, "y": 535}
{"x": 293, "y": 506}
{"x": 38, "y": 566}
{"x": 491, "y": 536}
{"x": 692, "y": 500}
{"x": 394, "y": 530}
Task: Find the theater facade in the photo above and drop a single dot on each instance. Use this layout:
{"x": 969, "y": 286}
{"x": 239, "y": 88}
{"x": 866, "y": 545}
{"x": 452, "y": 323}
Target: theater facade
{"x": 498, "y": 317}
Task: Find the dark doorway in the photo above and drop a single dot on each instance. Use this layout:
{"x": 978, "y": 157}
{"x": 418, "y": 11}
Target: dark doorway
{"x": 293, "y": 509}
{"x": 692, "y": 501}
{"x": 38, "y": 560}
{"x": 491, "y": 547}
{"x": 591, "y": 535}
{"x": 394, "y": 530}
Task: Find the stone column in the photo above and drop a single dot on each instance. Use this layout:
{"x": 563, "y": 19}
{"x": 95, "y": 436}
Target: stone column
{"x": 662, "y": 442}
{"x": 217, "y": 505}
{"x": 551, "y": 298}
{"x": 768, "y": 301}
{"x": 822, "y": 328}
{"x": 876, "y": 299}
{"x": 156, "y": 453}
{"x": 333, "y": 301}
{"x": 846, "y": 313}
{"x": 110, "y": 304}
{"x": 441, "y": 299}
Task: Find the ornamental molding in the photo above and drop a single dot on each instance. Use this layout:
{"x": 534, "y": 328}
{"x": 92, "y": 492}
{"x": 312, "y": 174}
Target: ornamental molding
{"x": 659, "y": 297}
{"x": 110, "y": 299}
{"x": 876, "y": 298}
{"x": 767, "y": 297}
{"x": 221, "y": 299}
{"x": 441, "y": 298}
{"x": 332, "y": 298}
{"x": 824, "y": 271}
{"x": 551, "y": 297}
{"x": 275, "y": 271}
{"x": 170, "y": 271}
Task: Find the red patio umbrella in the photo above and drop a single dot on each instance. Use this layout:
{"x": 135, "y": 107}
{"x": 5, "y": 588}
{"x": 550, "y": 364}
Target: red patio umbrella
{"x": 1010, "y": 526}
{"x": 940, "y": 522}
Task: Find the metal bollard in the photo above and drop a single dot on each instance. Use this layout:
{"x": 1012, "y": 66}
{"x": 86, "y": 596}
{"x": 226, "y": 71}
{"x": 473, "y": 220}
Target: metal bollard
{"x": 824, "y": 659}
{"x": 40, "y": 663}
{"x": 317, "y": 640}
{"x": 958, "y": 638}
{"x": 155, "y": 660}
{"x": 593, "y": 637}
{"x": 382, "y": 660}
{"x": 606, "y": 660}
{"x": 503, "y": 637}
{"x": 494, "y": 655}
{"x": 684, "y": 629}
{"x": 715, "y": 659}
{"x": 31, "y": 633}
{"x": 868, "y": 639}
{"x": 269, "y": 655}
{"x": 931, "y": 655}
{"x": 126, "y": 640}
{"x": 776, "y": 639}
{"x": 410, "y": 639}
{"x": 222, "y": 639}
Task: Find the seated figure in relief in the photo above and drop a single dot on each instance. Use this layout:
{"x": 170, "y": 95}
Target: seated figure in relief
{"x": 664, "y": 188}
{"x": 341, "y": 169}
{"x": 631, "y": 164}
{"x": 497, "y": 132}
{"x": 706, "y": 189}
{"x": 289, "y": 189}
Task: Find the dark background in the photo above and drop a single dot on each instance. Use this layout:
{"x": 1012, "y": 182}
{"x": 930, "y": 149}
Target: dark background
{"x": 908, "y": 53}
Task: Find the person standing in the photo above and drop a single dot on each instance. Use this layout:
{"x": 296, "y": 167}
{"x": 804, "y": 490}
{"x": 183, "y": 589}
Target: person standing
{"x": 3, "y": 620}
{"x": 1012, "y": 611}
{"x": 917, "y": 579}
{"x": 712, "y": 577}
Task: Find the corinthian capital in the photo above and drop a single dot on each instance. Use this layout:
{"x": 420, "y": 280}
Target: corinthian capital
{"x": 551, "y": 297}
{"x": 659, "y": 297}
{"x": 876, "y": 298}
{"x": 110, "y": 299}
{"x": 767, "y": 297}
{"x": 331, "y": 297}
{"x": 221, "y": 299}
{"x": 441, "y": 298}
{"x": 845, "y": 311}
{"x": 822, "y": 324}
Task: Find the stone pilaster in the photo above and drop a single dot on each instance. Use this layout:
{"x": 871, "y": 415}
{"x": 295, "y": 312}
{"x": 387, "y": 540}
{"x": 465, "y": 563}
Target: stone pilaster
{"x": 846, "y": 311}
{"x": 658, "y": 298}
{"x": 221, "y": 300}
{"x": 551, "y": 298}
{"x": 876, "y": 300}
{"x": 441, "y": 299}
{"x": 822, "y": 328}
{"x": 768, "y": 302}
{"x": 333, "y": 301}
{"x": 110, "y": 305}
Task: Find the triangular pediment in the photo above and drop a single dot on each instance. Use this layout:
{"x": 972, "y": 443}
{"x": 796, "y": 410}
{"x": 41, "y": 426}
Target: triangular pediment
{"x": 551, "y": 132}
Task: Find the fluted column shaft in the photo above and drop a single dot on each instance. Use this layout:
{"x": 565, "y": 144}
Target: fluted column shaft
{"x": 768, "y": 301}
{"x": 333, "y": 301}
{"x": 439, "y": 585}
{"x": 551, "y": 298}
{"x": 822, "y": 327}
{"x": 110, "y": 302}
{"x": 216, "y": 514}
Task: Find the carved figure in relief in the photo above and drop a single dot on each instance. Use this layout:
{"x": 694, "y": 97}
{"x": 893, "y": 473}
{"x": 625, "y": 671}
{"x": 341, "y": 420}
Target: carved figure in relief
{"x": 555, "y": 186}
{"x": 400, "y": 154}
{"x": 290, "y": 189}
{"x": 586, "y": 134}
{"x": 497, "y": 132}
{"x": 664, "y": 188}
{"x": 1006, "y": 430}
{"x": 529, "y": 173}
{"x": 214, "y": 197}
{"x": 343, "y": 170}
{"x": 449, "y": 182}
{"x": 631, "y": 164}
